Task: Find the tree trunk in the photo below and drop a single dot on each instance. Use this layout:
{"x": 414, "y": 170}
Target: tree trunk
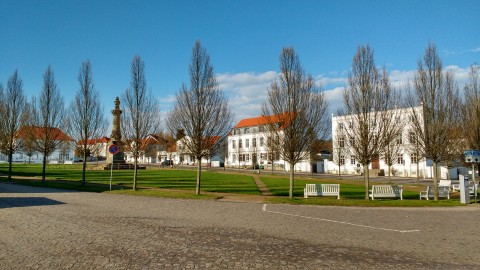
{"x": 418, "y": 172}
{"x": 435, "y": 181}
{"x": 135, "y": 164}
{"x": 199, "y": 172}
{"x": 44, "y": 166}
{"x": 290, "y": 192}
{"x": 367, "y": 181}
{"x": 84, "y": 167}
{"x": 339, "y": 172}
{"x": 10, "y": 160}
{"x": 389, "y": 174}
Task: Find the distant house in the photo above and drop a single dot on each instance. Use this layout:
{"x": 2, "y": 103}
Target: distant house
{"x": 183, "y": 156}
{"x": 149, "y": 148}
{"x": 250, "y": 143}
{"x": 98, "y": 147}
{"x": 27, "y": 153}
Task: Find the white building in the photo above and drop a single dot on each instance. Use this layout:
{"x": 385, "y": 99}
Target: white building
{"x": 248, "y": 145}
{"x": 406, "y": 158}
{"x": 182, "y": 155}
{"x": 98, "y": 147}
{"x": 63, "y": 152}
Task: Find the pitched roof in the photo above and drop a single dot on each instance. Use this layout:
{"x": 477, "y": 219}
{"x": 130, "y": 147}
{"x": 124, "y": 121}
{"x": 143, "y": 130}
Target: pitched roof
{"x": 38, "y": 132}
{"x": 255, "y": 121}
{"x": 261, "y": 120}
{"x": 95, "y": 141}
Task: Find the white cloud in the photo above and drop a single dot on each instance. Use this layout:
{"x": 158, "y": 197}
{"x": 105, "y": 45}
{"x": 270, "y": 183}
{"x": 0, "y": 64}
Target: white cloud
{"x": 247, "y": 91}
{"x": 475, "y": 50}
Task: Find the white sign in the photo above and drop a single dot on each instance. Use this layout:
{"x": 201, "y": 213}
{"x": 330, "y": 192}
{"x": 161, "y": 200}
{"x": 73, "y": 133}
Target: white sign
{"x": 472, "y": 156}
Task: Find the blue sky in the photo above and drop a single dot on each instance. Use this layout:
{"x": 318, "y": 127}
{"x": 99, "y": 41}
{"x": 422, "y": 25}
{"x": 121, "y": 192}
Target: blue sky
{"x": 243, "y": 38}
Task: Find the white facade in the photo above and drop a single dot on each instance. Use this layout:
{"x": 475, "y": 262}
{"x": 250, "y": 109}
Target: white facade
{"x": 63, "y": 152}
{"x": 406, "y": 159}
{"x": 181, "y": 156}
{"x": 248, "y": 146}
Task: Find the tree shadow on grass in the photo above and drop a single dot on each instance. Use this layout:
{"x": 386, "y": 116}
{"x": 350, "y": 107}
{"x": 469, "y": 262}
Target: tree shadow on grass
{"x": 13, "y": 202}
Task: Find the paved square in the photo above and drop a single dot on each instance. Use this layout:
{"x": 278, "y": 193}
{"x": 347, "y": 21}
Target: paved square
{"x": 55, "y": 229}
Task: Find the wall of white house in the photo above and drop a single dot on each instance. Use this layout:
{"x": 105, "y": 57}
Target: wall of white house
{"x": 57, "y": 155}
{"x": 405, "y": 166}
{"x": 246, "y": 143}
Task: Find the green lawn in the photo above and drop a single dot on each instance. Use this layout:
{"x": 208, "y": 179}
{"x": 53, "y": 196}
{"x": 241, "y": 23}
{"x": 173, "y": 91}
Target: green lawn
{"x": 151, "y": 178}
{"x": 350, "y": 194}
{"x": 173, "y": 183}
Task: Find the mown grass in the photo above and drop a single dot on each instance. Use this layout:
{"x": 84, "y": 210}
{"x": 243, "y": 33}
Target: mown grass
{"x": 171, "y": 183}
{"x": 351, "y": 194}
{"x": 99, "y": 180}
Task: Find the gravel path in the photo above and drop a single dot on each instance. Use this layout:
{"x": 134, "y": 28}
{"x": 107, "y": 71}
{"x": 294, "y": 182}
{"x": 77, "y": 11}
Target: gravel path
{"x": 54, "y": 229}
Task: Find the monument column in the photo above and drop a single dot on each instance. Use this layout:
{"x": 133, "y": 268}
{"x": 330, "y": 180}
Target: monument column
{"x": 116, "y": 136}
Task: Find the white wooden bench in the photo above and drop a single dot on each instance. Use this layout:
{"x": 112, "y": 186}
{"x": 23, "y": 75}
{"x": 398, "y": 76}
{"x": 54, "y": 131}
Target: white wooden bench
{"x": 68, "y": 162}
{"x": 443, "y": 192}
{"x": 445, "y": 183}
{"x": 386, "y": 191}
{"x": 322, "y": 190}
{"x": 53, "y": 162}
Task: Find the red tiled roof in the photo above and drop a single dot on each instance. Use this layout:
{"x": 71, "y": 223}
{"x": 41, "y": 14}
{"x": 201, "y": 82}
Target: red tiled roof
{"x": 95, "y": 141}
{"x": 261, "y": 120}
{"x": 38, "y": 133}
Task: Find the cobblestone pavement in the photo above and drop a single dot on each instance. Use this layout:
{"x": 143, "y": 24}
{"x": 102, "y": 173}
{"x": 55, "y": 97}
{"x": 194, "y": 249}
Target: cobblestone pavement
{"x": 54, "y": 229}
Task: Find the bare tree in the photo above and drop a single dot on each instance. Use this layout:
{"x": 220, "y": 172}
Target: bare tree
{"x": 339, "y": 152}
{"x": 434, "y": 122}
{"x": 201, "y": 110}
{"x": 12, "y": 104}
{"x": 366, "y": 100}
{"x": 297, "y": 111}
{"x": 86, "y": 120}
{"x": 416, "y": 153}
{"x": 392, "y": 144}
{"x": 47, "y": 116}
{"x": 142, "y": 113}
{"x": 471, "y": 109}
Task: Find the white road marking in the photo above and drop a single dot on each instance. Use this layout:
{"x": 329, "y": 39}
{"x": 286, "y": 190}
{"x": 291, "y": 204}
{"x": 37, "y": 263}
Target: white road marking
{"x": 264, "y": 209}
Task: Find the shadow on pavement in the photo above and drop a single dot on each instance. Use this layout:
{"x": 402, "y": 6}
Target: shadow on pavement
{"x": 12, "y": 202}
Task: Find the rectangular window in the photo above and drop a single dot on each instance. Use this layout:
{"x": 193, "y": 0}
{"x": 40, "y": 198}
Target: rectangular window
{"x": 247, "y": 157}
{"x": 340, "y": 126}
{"x": 412, "y": 138}
{"x": 342, "y": 160}
{"x": 246, "y": 131}
{"x": 350, "y": 124}
{"x": 341, "y": 142}
{"x": 254, "y": 142}
{"x": 239, "y": 143}
{"x": 261, "y": 142}
{"x": 352, "y": 141}
{"x": 247, "y": 143}
{"x": 399, "y": 139}
{"x": 234, "y": 158}
{"x": 352, "y": 160}
{"x": 414, "y": 157}
{"x": 400, "y": 159}
{"x": 263, "y": 156}
{"x": 233, "y": 144}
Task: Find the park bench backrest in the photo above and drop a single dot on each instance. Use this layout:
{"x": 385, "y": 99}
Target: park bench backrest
{"x": 445, "y": 183}
{"x": 384, "y": 190}
{"x": 330, "y": 188}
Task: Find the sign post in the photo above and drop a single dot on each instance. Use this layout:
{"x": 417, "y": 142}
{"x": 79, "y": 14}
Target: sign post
{"x": 112, "y": 149}
{"x": 473, "y": 156}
